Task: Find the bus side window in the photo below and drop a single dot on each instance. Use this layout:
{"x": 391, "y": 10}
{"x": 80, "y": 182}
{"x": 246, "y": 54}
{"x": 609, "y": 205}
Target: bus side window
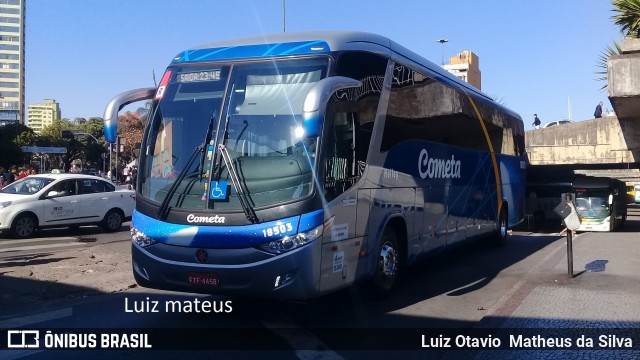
{"x": 350, "y": 121}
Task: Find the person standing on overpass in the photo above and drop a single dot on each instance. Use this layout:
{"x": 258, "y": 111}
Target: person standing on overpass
{"x": 536, "y": 122}
{"x": 598, "y": 113}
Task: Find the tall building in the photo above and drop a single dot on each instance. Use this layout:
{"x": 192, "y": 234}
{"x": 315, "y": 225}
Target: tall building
{"x": 12, "y": 25}
{"x": 42, "y": 115}
{"x": 465, "y": 66}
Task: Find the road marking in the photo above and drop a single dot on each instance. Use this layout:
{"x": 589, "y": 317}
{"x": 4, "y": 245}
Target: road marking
{"x": 38, "y": 247}
{"x": 35, "y": 318}
{"x": 298, "y": 337}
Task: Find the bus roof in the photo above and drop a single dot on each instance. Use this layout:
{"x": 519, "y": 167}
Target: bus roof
{"x": 315, "y": 42}
{"x": 592, "y": 182}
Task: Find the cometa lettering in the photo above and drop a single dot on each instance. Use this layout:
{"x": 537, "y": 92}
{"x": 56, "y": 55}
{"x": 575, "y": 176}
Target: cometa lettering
{"x": 191, "y": 218}
{"x": 438, "y": 168}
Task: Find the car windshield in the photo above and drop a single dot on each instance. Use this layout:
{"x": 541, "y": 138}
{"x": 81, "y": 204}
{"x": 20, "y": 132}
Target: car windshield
{"x": 254, "y": 111}
{"x": 27, "y": 186}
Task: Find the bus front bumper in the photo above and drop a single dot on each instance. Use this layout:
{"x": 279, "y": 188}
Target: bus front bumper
{"x": 595, "y": 225}
{"x": 292, "y": 275}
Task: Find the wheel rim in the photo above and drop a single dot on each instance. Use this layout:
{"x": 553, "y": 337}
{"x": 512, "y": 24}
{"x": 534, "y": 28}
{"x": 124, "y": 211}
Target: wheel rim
{"x": 503, "y": 226}
{"x": 113, "y": 221}
{"x": 388, "y": 261}
{"x": 24, "y": 226}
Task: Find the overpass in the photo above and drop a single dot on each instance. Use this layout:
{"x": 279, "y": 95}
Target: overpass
{"x": 604, "y": 143}
{"x": 607, "y": 142}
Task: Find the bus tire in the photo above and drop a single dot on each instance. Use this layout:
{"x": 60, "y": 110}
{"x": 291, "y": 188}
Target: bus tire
{"x": 387, "y": 264}
{"x": 502, "y": 230}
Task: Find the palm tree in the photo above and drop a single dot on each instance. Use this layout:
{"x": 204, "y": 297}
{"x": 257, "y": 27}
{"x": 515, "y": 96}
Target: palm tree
{"x": 605, "y": 55}
{"x": 628, "y": 17}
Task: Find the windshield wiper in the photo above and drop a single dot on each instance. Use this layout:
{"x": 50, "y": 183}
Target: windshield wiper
{"x": 207, "y": 139}
{"x": 237, "y": 185}
{"x": 163, "y": 211}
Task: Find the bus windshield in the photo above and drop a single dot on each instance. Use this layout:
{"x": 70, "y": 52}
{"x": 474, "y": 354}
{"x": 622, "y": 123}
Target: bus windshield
{"x": 254, "y": 111}
{"x": 593, "y": 203}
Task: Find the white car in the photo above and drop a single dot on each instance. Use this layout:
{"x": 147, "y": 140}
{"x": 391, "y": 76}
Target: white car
{"x": 556, "y": 123}
{"x": 63, "y": 200}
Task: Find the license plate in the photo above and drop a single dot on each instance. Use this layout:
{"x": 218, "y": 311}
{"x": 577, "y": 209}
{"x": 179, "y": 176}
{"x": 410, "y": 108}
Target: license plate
{"x": 198, "y": 279}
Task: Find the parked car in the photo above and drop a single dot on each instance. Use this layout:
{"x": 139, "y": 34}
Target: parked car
{"x": 555, "y": 123}
{"x": 61, "y": 200}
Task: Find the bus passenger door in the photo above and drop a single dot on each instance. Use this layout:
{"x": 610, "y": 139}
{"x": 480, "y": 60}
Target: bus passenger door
{"x": 342, "y": 169}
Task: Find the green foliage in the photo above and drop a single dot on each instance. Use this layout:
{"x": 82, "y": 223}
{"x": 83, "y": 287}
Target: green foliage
{"x": 628, "y": 17}
{"x": 12, "y": 137}
{"x": 83, "y": 147}
{"x": 602, "y": 61}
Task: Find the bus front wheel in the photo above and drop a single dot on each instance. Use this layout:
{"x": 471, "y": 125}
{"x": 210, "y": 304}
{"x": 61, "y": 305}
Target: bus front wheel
{"x": 387, "y": 264}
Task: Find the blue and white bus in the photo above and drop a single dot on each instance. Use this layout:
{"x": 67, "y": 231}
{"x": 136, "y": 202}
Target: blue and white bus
{"x": 292, "y": 165}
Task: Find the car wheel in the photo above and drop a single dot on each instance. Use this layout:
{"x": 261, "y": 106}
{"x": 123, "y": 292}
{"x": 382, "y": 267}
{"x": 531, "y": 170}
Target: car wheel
{"x": 387, "y": 265}
{"x": 112, "y": 221}
{"x": 24, "y": 226}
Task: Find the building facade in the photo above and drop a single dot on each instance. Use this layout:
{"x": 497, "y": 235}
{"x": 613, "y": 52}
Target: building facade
{"x": 42, "y": 115}
{"x": 12, "y": 32}
{"x": 466, "y": 66}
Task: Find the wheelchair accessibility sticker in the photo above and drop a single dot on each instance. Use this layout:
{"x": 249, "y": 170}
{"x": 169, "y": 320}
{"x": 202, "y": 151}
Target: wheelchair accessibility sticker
{"x": 219, "y": 191}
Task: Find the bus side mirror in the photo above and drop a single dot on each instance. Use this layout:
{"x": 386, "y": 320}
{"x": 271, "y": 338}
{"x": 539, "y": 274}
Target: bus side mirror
{"x": 316, "y": 100}
{"x": 117, "y": 103}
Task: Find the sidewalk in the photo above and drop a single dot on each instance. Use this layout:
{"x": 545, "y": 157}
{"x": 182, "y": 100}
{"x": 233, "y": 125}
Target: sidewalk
{"x": 604, "y": 292}
{"x": 602, "y": 298}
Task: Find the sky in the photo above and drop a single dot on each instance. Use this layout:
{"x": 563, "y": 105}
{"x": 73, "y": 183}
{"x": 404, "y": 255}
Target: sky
{"x": 535, "y": 56}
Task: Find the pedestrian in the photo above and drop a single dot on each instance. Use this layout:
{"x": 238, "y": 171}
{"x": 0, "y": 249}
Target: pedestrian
{"x": 134, "y": 176}
{"x": 536, "y": 122}
{"x": 2, "y": 182}
{"x": 10, "y": 176}
{"x": 24, "y": 172}
{"x": 598, "y": 113}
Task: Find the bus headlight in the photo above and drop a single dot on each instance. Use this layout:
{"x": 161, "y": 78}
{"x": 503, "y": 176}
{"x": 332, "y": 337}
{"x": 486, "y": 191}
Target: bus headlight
{"x": 140, "y": 238}
{"x": 289, "y": 243}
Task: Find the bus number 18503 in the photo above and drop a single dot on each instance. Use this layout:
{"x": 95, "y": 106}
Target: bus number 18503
{"x": 277, "y": 230}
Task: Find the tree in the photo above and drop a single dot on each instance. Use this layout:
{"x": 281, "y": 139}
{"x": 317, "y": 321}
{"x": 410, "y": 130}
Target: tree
{"x": 605, "y": 55}
{"x": 11, "y": 139}
{"x": 130, "y": 128}
{"x": 628, "y": 17}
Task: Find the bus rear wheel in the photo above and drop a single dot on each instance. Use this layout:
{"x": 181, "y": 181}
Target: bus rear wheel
{"x": 502, "y": 231}
{"x": 387, "y": 264}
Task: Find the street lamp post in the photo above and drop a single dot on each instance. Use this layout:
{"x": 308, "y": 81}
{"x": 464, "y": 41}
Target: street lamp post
{"x": 442, "y": 41}
{"x": 284, "y": 16}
